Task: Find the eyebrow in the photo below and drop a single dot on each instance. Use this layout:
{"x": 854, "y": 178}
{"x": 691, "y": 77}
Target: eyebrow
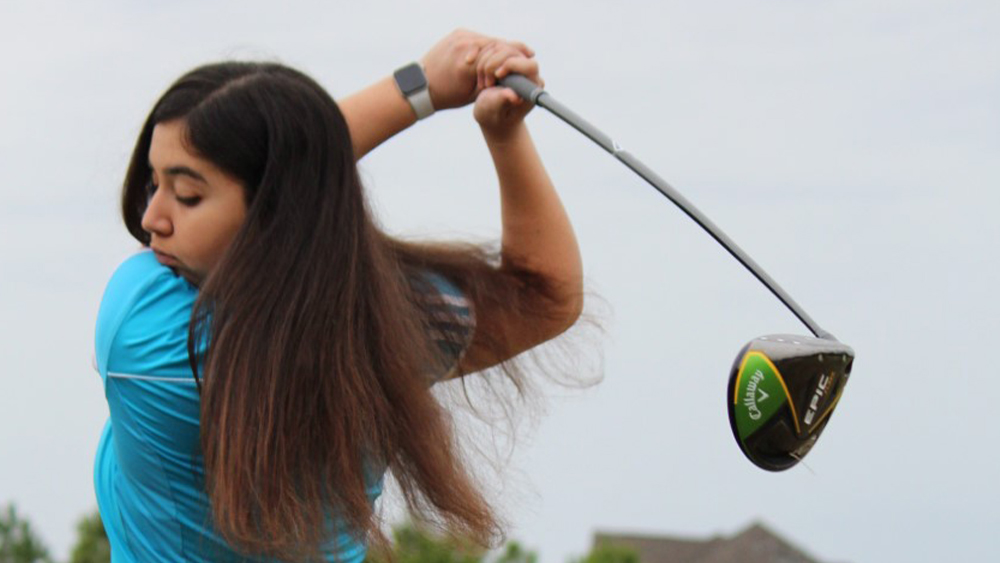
{"x": 184, "y": 171}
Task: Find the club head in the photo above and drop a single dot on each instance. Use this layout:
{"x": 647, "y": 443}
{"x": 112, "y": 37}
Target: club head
{"x": 782, "y": 390}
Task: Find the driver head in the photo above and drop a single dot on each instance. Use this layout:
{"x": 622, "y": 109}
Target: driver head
{"x": 782, "y": 390}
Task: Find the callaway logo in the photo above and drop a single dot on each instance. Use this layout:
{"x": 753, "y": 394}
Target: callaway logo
{"x": 814, "y": 403}
{"x": 753, "y": 395}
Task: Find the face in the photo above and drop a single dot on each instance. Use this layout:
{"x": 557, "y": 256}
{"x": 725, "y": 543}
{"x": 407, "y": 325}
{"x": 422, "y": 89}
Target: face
{"x": 195, "y": 209}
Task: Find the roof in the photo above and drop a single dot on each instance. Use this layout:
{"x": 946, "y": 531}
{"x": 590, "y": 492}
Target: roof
{"x": 755, "y": 544}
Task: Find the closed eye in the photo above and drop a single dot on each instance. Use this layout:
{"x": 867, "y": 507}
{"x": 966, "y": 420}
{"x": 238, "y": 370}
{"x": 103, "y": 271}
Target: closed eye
{"x": 189, "y": 201}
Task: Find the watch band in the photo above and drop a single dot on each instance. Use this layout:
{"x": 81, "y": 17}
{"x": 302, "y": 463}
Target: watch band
{"x": 412, "y": 83}
{"x": 421, "y": 103}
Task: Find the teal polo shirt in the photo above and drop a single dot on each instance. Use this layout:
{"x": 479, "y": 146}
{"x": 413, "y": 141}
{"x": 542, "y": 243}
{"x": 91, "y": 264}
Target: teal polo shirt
{"x": 149, "y": 472}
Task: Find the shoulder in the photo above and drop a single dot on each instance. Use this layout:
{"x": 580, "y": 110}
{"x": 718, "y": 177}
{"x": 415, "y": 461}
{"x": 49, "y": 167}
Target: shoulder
{"x": 145, "y": 307}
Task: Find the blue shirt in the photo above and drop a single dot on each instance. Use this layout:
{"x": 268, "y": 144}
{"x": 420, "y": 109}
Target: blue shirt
{"x": 149, "y": 472}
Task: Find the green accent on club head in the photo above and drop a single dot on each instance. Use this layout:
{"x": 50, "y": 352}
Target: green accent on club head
{"x": 759, "y": 393}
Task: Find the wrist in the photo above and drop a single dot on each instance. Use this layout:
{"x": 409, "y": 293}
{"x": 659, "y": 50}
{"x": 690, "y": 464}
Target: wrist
{"x": 503, "y": 134}
{"x": 415, "y": 89}
{"x": 375, "y": 114}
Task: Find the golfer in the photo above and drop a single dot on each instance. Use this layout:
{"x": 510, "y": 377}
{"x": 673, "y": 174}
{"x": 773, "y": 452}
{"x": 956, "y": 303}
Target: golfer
{"x": 268, "y": 357}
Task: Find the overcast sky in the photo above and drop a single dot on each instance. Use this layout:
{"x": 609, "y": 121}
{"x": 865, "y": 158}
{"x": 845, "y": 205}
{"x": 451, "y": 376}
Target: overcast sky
{"x": 850, "y": 147}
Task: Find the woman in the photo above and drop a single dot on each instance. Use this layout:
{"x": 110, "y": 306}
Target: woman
{"x": 271, "y": 357}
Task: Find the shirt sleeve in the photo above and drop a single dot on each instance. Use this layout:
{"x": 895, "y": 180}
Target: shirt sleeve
{"x": 142, "y": 325}
{"x": 451, "y": 322}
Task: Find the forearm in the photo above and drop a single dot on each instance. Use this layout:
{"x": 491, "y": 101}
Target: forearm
{"x": 454, "y": 78}
{"x": 375, "y": 114}
{"x": 537, "y": 233}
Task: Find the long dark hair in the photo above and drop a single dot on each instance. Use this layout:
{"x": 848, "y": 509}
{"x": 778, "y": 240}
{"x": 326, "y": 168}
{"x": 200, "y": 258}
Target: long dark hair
{"x": 319, "y": 346}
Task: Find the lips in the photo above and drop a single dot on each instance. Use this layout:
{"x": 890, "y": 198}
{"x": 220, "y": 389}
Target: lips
{"x": 166, "y": 259}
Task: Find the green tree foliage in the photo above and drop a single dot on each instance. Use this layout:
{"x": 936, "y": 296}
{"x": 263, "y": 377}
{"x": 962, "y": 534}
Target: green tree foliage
{"x": 514, "y": 553}
{"x": 92, "y": 544}
{"x": 414, "y": 545}
{"x": 18, "y": 542}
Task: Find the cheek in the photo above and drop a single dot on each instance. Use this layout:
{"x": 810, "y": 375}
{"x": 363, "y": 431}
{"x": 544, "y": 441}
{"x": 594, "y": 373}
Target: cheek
{"x": 210, "y": 242}
{"x": 224, "y": 233}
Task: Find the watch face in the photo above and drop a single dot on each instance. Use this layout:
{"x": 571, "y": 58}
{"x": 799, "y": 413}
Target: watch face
{"x": 410, "y": 79}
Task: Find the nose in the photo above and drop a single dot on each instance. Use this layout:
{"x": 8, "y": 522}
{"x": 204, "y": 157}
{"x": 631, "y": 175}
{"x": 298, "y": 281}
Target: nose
{"x": 156, "y": 219}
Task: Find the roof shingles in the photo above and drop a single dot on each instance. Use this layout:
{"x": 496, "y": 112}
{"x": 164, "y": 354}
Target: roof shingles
{"x": 755, "y": 544}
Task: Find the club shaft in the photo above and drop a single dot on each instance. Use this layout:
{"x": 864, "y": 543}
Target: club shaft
{"x": 532, "y": 92}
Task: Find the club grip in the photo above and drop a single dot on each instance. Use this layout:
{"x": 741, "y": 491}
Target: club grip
{"x": 524, "y": 87}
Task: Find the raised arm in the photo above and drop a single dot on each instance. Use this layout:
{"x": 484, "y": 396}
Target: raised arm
{"x": 379, "y": 111}
{"x": 537, "y": 240}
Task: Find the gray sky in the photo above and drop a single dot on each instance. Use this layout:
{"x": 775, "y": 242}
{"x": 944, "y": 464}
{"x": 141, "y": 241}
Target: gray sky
{"x": 850, "y": 147}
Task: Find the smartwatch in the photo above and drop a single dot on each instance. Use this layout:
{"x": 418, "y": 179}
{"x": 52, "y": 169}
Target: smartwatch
{"x": 412, "y": 83}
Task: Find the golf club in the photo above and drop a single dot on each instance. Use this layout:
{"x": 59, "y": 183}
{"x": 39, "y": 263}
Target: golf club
{"x": 782, "y": 388}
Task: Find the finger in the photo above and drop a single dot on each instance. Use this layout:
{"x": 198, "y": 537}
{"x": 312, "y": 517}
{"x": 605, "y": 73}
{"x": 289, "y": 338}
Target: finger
{"x": 503, "y": 100}
{"x": 520, "y": 65}
{"x": 525, "y": 50}
{"x": 497, "y": 59}
{"x": 481, "y": 60}
{"x": 472, "y": 54}
{"x": 490, "y": 63}
{"x": 512, "y": 97}
{"x": 480, "y": 75}
{"x": 488, "y": 101}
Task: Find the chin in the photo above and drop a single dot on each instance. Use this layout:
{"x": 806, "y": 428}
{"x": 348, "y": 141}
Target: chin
{"x": 191, "y": 277}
